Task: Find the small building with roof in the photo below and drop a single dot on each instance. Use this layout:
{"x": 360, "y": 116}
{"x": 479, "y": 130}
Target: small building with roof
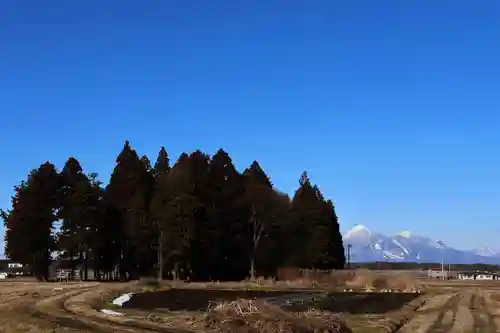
{"x": 478, "y": 275}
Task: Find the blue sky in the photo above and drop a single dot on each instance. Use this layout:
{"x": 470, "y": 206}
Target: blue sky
{"x": 392, "y": 106}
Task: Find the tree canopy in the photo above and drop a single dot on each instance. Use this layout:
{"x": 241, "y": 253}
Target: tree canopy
{"x": 198, "y": 218}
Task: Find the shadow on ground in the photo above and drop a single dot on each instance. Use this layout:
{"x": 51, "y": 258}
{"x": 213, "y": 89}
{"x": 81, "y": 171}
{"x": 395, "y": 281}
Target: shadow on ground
{"x": 196, "y": 300}
{"x": 358, "y": 303}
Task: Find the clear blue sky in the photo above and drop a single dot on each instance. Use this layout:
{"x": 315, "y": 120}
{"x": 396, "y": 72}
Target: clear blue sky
{"x": 392, "y": 106}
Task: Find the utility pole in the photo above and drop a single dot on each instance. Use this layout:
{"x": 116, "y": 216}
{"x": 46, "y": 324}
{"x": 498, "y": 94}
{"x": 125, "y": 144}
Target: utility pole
{"x": 442, "y": 258}
{"x": 349, "y": 256}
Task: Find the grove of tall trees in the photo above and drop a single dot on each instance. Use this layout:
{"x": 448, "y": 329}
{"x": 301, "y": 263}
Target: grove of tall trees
{"x": 199, "y": 217}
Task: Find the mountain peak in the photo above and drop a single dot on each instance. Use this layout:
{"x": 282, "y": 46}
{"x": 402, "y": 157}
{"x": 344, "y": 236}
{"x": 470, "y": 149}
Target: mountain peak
{"x": 358, "y": 234}
{"x": 357, "y": 229}
{"x": 405, "y": 234}
{"x": 369, "y": 246}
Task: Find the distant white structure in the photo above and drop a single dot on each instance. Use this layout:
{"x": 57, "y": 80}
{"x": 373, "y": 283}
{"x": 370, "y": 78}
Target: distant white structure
{"x": 14, "y": 265}
{"x": 438, "y": 273}
{"x": 477, "y": 276}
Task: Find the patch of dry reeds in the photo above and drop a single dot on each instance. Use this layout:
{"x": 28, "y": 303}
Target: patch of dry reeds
{"x": 255, "y": 316}
{"x": 401, "y": 281}
{"x": 363, "y": 278}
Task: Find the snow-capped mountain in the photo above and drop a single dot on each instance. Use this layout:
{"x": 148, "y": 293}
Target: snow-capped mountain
{"x": 487, "y": 251}
{"x": 404, "y": 246}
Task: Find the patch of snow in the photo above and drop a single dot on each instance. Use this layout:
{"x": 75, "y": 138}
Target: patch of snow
{"x": 356, "y": 230}
{"x": 358, "y": 235}
{"x": 405, "y": 234}
{"x": 390, "y": 255}
{"x": 395, "y": 241}
{"x": 369, "y": 245}
{"x": 111, "y": 312}
{"x": 122, "y": 299}
{"x": 486, "y": 251}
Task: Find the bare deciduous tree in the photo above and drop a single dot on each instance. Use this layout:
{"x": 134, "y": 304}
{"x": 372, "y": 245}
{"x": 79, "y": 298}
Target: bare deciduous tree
{"x": 257, "y": 231}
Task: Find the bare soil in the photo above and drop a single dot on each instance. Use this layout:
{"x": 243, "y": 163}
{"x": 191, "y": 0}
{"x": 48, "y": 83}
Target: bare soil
{"x": 29, "y": 306}
{"x": 467, "y": 310}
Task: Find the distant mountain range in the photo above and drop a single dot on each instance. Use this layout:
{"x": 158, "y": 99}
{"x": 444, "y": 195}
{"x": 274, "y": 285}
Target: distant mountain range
{"x": 367, "y": 246}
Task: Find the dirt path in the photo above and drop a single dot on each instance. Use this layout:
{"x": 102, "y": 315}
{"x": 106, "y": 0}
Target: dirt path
{"x": 43, "y": 307}
{"x": 17, "y": 300}
{"x": 47, "y": 307}
{"x": 465, "y": 311}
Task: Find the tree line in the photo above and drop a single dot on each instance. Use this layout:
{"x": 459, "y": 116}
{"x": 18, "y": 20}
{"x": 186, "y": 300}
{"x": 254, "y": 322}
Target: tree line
{"x": 384, "y": 265}
{"x": 200, "y": 216}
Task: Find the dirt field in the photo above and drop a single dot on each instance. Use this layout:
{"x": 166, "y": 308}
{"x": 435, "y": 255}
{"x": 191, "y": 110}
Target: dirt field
{"x": 455, "y": 306}
{"x": 28, "y": 306}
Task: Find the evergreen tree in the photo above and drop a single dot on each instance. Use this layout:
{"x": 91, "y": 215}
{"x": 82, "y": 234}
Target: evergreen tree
{"x": 201, "y": 218}
{"x": 307, "y": 213}
{"x": 336, "y": 246}
{"x": 75, "y": 211}
{"x": 316, "y": 236}
{"x": 159, "y": 205}
{"x": 180, "y": 217}
{"x": 126, "y": 201}
{"x": 15, "y": 227}
{"x": 268, "y": 214}
{"x": 99, "y": 233}
{"x": 201, "y": 251}
{"x": 256, "y": 172}
{"x": 29, "y": 224}
{"x": 261, "y": 210}
{"x": 230, "y": 219}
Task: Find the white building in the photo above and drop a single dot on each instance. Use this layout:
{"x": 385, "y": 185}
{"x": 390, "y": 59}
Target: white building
{"x": 14, "y": 265}
{"x": 477, "y": 276}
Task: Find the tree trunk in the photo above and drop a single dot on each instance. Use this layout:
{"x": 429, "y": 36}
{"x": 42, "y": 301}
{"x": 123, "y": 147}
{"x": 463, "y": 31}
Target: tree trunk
{"x": 176, "y": 271}
{"x": 160, "y": 256}
{"x": 86, "y": 267}
{"x": 252, "y": 268}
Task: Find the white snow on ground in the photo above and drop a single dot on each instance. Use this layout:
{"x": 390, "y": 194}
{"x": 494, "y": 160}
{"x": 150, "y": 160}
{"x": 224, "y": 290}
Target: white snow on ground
{"x": 122, "y": 299}
{"x": 111, "y": 312}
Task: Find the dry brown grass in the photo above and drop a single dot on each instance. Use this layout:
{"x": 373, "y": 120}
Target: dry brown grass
{"x": 361, "y": 278}
{"x": 495, "y": 296}
{"x": 253, "y": 316}
{"x": 401, "y": 281}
